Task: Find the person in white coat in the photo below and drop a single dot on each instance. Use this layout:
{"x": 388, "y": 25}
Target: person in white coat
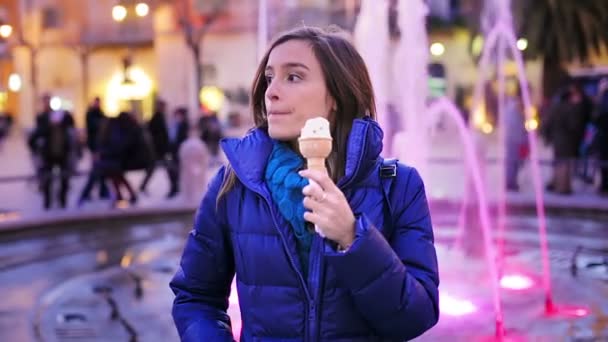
{"x": 194, "y": 156}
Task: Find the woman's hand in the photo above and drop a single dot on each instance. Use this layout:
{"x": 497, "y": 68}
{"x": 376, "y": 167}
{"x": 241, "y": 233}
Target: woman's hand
{"x": 330, "y": 211}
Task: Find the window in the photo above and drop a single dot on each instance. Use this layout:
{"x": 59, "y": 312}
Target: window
{"x": 51, "y": 18}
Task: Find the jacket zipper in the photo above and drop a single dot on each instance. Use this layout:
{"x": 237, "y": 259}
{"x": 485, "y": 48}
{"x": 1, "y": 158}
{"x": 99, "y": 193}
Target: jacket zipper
{"x": 303, "y": 284}
{"x": 315, "y": 285}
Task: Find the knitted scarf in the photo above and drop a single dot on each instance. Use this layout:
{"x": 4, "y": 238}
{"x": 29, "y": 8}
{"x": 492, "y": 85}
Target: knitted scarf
{"x": 285, "y": 185}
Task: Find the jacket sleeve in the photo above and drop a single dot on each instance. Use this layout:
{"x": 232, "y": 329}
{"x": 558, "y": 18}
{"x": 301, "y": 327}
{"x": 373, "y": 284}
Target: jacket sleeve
{"x": 202, "y": 282}
{"x": 394, "y": 283}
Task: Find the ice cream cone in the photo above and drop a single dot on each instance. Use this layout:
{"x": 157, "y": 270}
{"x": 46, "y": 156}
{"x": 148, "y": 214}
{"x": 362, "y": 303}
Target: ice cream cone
{"x": 315, "y": 150}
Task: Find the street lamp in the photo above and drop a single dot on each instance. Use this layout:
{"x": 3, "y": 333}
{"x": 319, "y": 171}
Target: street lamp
{"x": 142, "y": 9}
{"x": 14, "y": 82}
{"x": 119, "y": 13}
{"x": 6, "y": 31}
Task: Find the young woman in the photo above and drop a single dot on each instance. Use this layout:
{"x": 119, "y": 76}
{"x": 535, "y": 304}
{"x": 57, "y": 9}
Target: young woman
{"x": 373, "y": 277}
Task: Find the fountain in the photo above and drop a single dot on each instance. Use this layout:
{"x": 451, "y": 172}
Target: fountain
{"x": 502, "y": 38}
{"x": 372, "y": 43}
{"x": 411, "y": 145}
{"x": 444, "y": 105}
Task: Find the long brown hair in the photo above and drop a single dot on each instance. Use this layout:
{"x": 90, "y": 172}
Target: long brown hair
{"x": 346, "y": 79}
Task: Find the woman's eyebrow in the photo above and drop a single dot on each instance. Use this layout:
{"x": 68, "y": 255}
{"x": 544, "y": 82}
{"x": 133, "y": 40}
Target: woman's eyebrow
{"x": 289, "y": 65}
{"x": 295, "y": 65}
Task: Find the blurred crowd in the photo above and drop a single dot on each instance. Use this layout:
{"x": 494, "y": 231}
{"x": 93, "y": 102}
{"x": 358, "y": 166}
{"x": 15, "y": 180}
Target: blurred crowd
{"x": 575, "y": 126}
{"x": 573, "y": 123}
{"x": 118, "y": 145}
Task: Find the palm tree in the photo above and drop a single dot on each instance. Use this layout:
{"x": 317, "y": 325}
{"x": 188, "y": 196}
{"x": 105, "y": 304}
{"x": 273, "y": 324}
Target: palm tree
{"x": 562, "y": 31}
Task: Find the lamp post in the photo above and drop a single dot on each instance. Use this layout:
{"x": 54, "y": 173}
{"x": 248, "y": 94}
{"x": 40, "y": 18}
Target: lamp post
{"x": 10, "y": 82}
{"x": 5, "y": 31}
{"x": 125, "y": 12}
{"x": 124, "y": 8}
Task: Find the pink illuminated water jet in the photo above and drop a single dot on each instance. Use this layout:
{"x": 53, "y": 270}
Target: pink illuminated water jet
{"x": 516, "y": 282}
{"x": 444, "y": 105}
{"x": 568, "y": 311}
{"x": 454, "y": 306}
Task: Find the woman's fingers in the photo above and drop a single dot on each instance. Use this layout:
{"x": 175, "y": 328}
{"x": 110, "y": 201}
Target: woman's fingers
{"x": 321, "y": 178}
{"x": 316, "y": 205}
{"x": 313, "y": 190}
{"x": 314, "y": 218}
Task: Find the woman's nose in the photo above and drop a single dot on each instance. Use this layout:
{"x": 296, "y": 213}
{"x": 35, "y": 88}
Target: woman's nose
{"x": 272, "y": 92}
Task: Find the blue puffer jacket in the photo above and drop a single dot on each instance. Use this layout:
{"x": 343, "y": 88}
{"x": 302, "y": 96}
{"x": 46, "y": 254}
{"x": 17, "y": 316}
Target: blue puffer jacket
{"x": 384, "y": 288}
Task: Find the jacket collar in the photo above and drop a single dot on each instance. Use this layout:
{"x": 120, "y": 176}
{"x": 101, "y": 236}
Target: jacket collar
{"x": 248, "y": 155}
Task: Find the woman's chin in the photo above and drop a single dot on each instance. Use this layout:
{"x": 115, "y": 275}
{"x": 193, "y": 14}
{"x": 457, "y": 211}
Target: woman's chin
{"x": 278, "y": 134}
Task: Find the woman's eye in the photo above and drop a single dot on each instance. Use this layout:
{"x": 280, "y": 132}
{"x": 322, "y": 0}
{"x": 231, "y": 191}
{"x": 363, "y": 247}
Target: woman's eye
{"x": 293, "y": 77}
{"x": 268, "y": 79}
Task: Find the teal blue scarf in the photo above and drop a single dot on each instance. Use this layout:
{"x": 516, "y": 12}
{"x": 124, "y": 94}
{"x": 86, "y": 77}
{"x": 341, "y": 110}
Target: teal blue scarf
{"x": 285, "y": 185}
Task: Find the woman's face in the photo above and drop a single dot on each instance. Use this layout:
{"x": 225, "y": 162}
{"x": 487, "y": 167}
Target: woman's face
{"x": 296, "y": 89}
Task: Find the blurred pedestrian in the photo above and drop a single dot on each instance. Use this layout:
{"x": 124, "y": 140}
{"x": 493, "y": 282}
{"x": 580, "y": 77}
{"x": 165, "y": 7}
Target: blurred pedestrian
{"x": 158, "y": 134}
{"x": 178, "y": 133}
{"x": 53, "y": 141}
{"x": 5, "y": 126}
{"x": 95, "y": 118}
{"x": 210, "y": 130}
{"x": 118, "y": 151}
{"x": 565, "y": 127}
{"x": 515, "y": 139}
{"x": 601, "y": 123}
{"x": 194, "y": 163}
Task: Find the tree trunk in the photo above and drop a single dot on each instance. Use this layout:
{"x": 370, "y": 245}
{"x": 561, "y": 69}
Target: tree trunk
{"x": 198, "y": 67}
{"x": 34, "y": 77}
{"x": 84, "y": 64}
{"x": 554, "y": 76}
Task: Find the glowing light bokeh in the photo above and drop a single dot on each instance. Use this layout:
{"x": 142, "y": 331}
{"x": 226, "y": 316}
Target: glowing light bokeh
{"x": 142, "y": 9}
{"x": 55, "y": 103}
{"x": 516, "y": 282}
{"x": 532, "y": 124}
{"x": 140, "y": 87}
{"x": 212, "y": 98}
{"x": 6, "y": 30}
{"x": 14, "y": 82}
{"x": 479, "y": 116}
{"x": 437, "y": 49}
{"x": 453, "y": 306}
{"x": 119, "y": 13}
{"x": 477, "y": 45}
{"x": 487, "y": 128}
{"x": 522, "y": 44}
{"x": 126, "y": 260}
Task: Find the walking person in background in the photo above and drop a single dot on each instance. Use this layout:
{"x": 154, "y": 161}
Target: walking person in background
{"x": 601, "y": 139}
{"x": 210, "y": 129}
{"x": 53, "y": 140}
{"x": 194, "y": 163}
{"x": 158, "y": 132}
{"x": 564, "y": 129}
{"x": 515, "y": 139}
{"x": 35, "y": 143}
{"x": 369, "y": 274}
{"x": 178, "y": 133}
{"x": 95, "y": 119}
{"x": 6, "y": 121}
{"x": 117, "y": 148}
